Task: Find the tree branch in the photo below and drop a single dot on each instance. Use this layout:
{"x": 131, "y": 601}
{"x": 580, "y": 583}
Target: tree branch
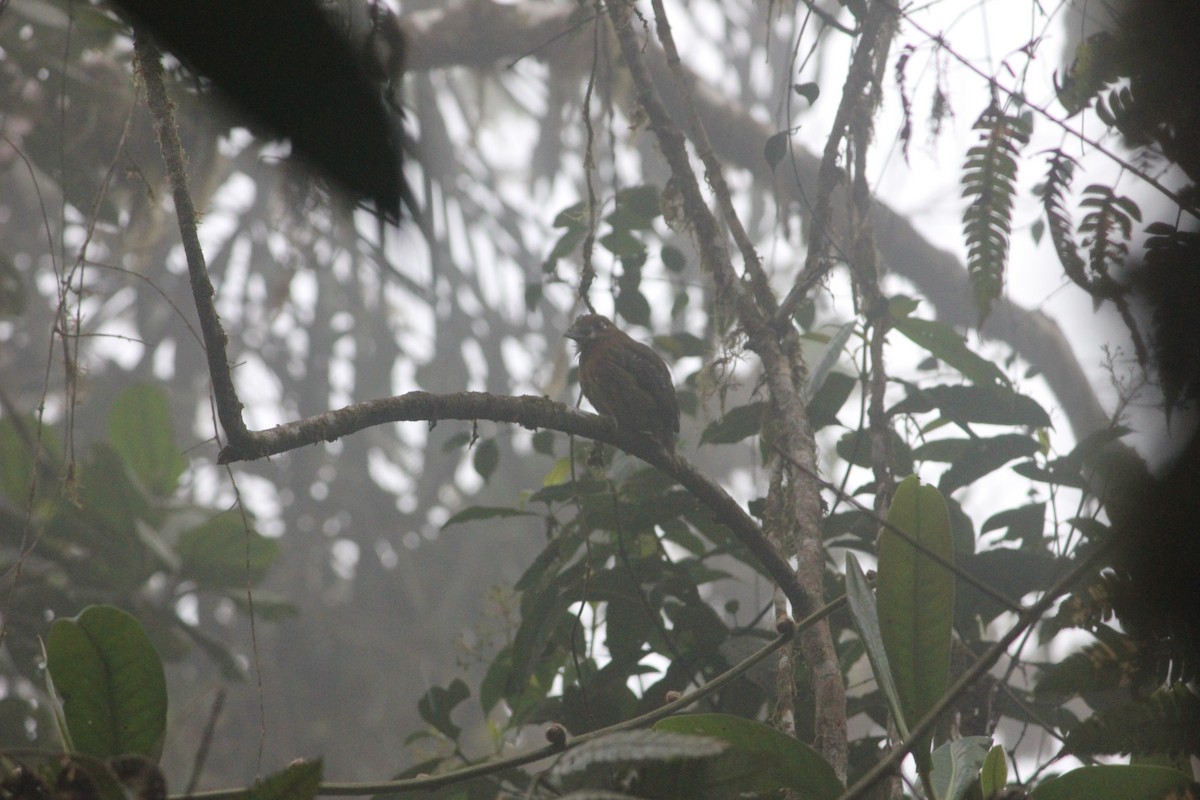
{"x": 148, "y": 62}
{"x": 529, "y": 412}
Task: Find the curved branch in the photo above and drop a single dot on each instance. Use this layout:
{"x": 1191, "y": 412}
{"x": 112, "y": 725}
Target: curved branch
{"x": 528, "y": 412}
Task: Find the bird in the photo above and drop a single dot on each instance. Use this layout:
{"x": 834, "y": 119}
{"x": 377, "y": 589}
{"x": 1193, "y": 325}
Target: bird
{"x": 625, "y": 380}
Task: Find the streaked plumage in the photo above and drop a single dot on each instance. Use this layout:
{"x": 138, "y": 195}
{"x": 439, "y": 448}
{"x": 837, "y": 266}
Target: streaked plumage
{"x": 626, "y": 380}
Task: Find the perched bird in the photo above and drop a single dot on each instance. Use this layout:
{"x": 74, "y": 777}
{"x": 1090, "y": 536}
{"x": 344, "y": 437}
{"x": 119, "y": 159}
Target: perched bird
{"x": 626, "y": 380}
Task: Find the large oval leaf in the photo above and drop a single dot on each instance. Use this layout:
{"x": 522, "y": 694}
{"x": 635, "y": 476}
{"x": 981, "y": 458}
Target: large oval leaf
{"x": 1113, "y": 782}
{"x": 916, "y": 599}
{"x": 139, "y": 429}
{"x": 109, "y": 680}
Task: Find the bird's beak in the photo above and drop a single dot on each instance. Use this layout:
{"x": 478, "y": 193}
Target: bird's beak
{"x": 572, "y": 333}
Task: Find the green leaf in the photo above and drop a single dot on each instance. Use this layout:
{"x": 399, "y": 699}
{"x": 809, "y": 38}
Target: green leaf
{"x": 988, "y": 405}
{"x": 994, "y": 775}
{"x": 760, "y": 759}
{"x": 476, "y": 513}
{"x": 222, "y": 553}
{"x": 945, "y": 344}
{"x": 110, "y": 682}
{"x": 916, "y": 600}
{"x": 776, "y": 148}
{"x": 139, "y": 429}
{"x": 1113, "y": 782}
{"x": 438, "y": 703}
{"x": 487, "y": 458}
{"x": 861, "y": 600}
{"x": 956, "y": 766}
{"x": 559, "y": 474}
{"x": 737, "y": 424}
{"x": 298, "y": 781}
{"x": 574, "y": 216}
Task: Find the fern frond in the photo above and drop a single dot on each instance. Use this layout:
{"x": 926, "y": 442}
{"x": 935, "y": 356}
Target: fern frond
{"x": 989, "y": 176}
{"x": 1058, "y": 217}
{"x": 1167, "y": 723}
{"x": 1106, "y": 228}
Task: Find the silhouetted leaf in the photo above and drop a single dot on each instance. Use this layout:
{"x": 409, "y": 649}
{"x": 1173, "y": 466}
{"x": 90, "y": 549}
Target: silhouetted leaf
{"x": 829, "y": 399}
{"x": 437, "y": 704}
{"x": 944, "y": 343}
{"x": 1024, "y": 524}
{"x": 476, "y": 513}
{"x": 673, "y": 258}
{"x": 809, "y": 91}
{"x": 737, "y": 424}
{"x": 487, "y": 458}
{"x": 992, "y": 405}
{"x": 984, "y": 456}
{"x": 776, "y": 148}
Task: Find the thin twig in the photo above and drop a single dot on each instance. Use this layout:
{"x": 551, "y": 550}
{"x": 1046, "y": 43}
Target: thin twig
{"x": 148, "y": 63}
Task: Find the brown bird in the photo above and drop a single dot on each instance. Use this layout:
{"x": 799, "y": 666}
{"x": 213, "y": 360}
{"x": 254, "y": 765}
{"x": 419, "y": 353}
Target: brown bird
{"x": 626, "y": 380}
